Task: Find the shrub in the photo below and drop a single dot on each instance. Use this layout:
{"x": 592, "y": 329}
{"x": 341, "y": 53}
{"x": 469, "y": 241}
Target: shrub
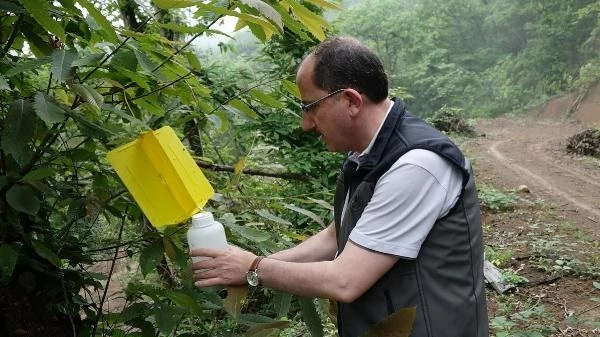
{"x": 451, "y": 120}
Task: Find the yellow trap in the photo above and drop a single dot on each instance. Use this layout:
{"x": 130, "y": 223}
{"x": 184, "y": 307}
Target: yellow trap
{"x": 161, "y": 176}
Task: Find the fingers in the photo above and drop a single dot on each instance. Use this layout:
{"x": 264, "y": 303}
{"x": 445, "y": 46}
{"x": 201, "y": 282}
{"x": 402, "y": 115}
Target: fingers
{"x": 215, "y": 277}
{"x": 207, "y": 252}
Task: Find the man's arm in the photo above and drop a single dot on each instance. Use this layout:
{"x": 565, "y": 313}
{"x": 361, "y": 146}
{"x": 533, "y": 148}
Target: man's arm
{"x": 319, "y": 247}
{"x": 344, "y": 279}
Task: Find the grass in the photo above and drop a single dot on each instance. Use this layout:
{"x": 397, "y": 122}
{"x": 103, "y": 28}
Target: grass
{"x": 553, "y": 263}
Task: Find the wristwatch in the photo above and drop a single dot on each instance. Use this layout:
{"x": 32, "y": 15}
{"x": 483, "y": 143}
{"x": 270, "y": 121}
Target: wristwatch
{"x": 252, "y": 274}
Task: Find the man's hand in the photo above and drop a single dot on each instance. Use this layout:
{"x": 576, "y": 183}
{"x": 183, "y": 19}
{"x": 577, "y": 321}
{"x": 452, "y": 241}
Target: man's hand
{"x": 223, "y": 267}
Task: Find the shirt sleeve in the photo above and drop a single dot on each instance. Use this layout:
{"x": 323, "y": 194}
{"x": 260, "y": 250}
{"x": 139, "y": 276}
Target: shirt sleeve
{"x": 408, "y": 199}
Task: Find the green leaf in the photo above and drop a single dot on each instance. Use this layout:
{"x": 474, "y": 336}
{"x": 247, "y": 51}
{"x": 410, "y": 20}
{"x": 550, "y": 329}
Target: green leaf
{"x": 45, "y": 252}
{"x": 4, "y": 83}
{"x": 265, "y": 98}
{"x": 307, "y": 213}
{"x": 133, "y": 311}
{"x": 267, "y": 329}
{"x": 282, "y": 302}
{"x": 266, "y": 10}
{"x": 166, "y": 319}
{"x": 107, "y": 28}
{"x": 267, "y": 215}
{"x": 398, "y": 324}
{"x": 193, "y": 60}
{"x": 88, "y": 60}
{"x": 290, "y": 22}
{"x": 27, "y": 65}
{"x": 292, "y": 88}
{"x": 37, "y": 38}
{"x": 325, "y": 4}
{"x": 139, "y": 79}
{"x": 236, "y": 296}
{"x": 250, "y": 233}
{"x": 129, "y": 117}
{"x": 12, "y": 7}
{"x": 47, "y": 110}
{"x": 184, "y": 300}
{"x": 147, "y": 329}
{"x": 311, "y": 316}
{"x": 62, "y": 61}
{"x": 88, "y": 127}
{"x": 151, "y": 257}
{"x": 243, "y": 107}
{"x": 40, "y": 11}
{"x": 125, "y": 58}
{"x": 219, "y": 120}
{"x": 322, "y": 203}
{"x": 22, "y": 199}
{"x": 8, "y": 261}
{"x": 89, "y": 95}
{"x": 144, "y": 61}
{"x": 76, "y": 209}
{"x": 168, "y": 4}
{"x": 151, "y": 105}
{"x": 18, "y": 128}
{"x": 313, "y": 22}
{"x": 38, "y": 174}
{"x": 265, "y": 25}
{"x": 596, "y": 285}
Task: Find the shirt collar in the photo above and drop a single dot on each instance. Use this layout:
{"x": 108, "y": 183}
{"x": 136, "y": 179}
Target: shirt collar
{"x": 355, "y": 156}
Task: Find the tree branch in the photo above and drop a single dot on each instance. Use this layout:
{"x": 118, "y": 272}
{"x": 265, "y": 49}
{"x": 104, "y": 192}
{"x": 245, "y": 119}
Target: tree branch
{"x": 189, "y": 42}
{"x": 256, "y": 172}
{"x": 12, "y": 37}
{"x": 110, "y": 274}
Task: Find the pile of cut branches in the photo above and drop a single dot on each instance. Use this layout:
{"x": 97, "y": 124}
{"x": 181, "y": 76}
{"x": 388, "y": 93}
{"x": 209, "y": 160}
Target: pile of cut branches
{"x": 585, "y": 143}
{"x": 451, "y": 120}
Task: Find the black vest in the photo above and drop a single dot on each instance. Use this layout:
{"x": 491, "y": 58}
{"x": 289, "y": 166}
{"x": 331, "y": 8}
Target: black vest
{"x": 445, "y": 282}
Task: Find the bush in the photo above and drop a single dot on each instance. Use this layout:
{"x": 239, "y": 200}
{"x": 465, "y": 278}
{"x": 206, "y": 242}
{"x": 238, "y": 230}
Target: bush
{"x": 494, "y": 200}
{"x": 451, "y": 120}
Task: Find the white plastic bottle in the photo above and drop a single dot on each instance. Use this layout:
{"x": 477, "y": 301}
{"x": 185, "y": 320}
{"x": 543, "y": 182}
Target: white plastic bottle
{"x": 205, "y": 232}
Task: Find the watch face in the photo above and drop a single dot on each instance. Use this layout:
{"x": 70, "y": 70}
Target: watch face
{"x": 252, "y": 278}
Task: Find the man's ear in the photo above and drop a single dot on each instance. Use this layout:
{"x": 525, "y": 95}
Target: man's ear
{"x": 355, "y": 101}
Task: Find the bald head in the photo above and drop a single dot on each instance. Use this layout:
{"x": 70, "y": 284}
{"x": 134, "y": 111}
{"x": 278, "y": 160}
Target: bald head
{"x": 343, "y": 62}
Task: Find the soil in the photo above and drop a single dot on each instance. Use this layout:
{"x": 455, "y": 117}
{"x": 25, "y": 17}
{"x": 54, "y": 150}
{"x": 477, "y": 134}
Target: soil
{"x": 552, "y": 234}
{"x": 532, "y": 152}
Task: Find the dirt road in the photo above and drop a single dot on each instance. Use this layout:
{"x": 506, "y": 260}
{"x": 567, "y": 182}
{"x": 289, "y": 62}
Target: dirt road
{"x": 531, "y": 152}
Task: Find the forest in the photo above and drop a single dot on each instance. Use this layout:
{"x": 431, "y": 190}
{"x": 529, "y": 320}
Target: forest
{"x": 79, "y": 78}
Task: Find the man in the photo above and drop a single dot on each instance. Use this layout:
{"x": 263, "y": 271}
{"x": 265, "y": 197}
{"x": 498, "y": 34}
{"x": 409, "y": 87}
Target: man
{"x": 406, "y": 229}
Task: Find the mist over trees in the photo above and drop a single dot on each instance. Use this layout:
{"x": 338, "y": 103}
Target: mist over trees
{"x": 485, "y": 57}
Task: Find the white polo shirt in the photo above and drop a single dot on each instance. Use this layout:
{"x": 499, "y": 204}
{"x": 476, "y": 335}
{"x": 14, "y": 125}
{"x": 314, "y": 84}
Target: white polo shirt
{"x": 409, "y": 198}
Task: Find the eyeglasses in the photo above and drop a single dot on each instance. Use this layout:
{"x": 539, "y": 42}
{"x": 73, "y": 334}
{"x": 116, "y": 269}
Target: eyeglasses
{"x": 306, "y": 107}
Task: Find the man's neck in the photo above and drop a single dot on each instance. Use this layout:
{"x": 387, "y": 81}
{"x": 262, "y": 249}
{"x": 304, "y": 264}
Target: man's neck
{"x": 371, "y": 120}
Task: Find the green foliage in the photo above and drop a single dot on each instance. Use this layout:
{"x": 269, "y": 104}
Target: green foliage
{"x": 75, "y": 82}
{"x": 557, "y": 257}
{"x": 451, "y": 120}
{"x": 485, "y": 57}
{"x": 494, "y": 200}
{"x": 521, "y": 324}
{"x": 500, "y": 258}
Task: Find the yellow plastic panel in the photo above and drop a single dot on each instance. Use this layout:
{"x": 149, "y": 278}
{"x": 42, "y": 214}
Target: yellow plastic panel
{"x": 162, "y": 177}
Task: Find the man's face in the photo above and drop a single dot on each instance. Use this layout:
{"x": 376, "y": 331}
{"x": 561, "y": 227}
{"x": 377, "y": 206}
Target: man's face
{"x": 324, "y": 111}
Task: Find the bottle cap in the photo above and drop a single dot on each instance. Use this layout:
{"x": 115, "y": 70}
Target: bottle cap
{"x": 202, "y": 219}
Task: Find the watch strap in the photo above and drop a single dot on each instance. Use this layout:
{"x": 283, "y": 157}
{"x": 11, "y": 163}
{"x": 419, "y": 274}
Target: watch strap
{"x": 254, "y": 265}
